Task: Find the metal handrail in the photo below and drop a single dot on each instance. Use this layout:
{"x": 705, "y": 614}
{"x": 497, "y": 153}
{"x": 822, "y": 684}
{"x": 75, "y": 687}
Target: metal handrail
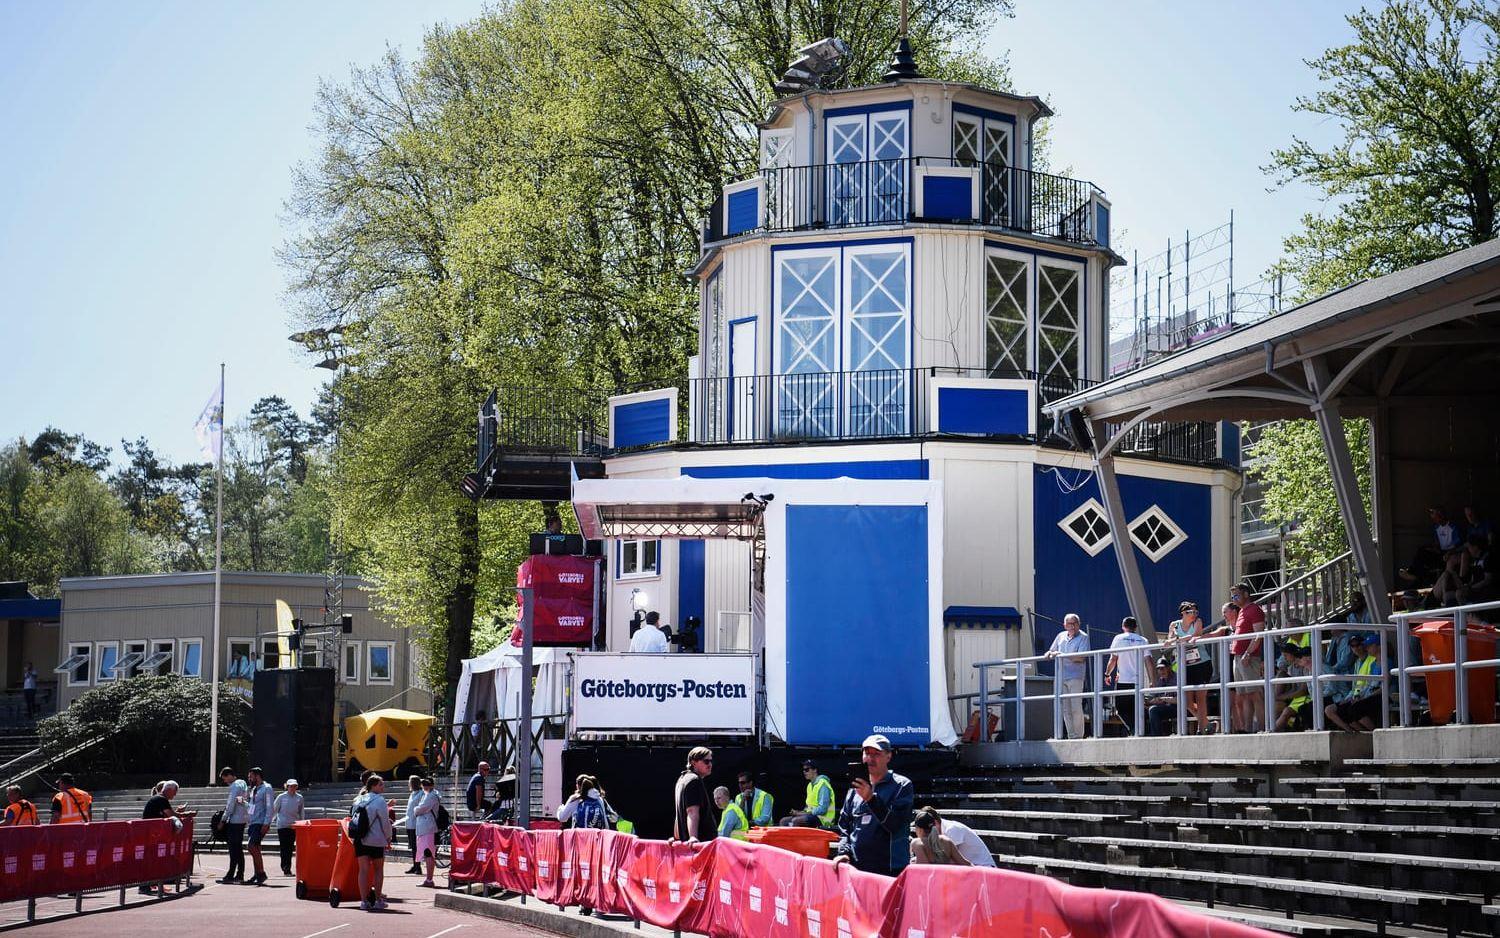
{"x": 1460, "y": 665}
{"x": 1268, "y": 681}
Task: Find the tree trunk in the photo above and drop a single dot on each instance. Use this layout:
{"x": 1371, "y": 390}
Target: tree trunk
{"x": 460, "y": 604}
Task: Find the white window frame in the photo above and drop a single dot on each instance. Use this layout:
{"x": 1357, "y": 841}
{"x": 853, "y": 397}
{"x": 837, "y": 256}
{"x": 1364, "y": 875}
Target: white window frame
{"x": 345, "y": 675}
{"x": 1172, "y": 543}
{"x": 179, "y": 662}
{"x": 1028, "y": 311}
{"x": 1080, "y": 363}
{"x": 652, "y": 573}
{"x": 269, "y": 646}
{"x": 369, "y": 659}
{"x": 1093, "y": 550}
{"x": 82, "y": 648}
{"x": 229, "y": 658}
{"x": 102, "y": 674}
{"x": 143, "y": 645}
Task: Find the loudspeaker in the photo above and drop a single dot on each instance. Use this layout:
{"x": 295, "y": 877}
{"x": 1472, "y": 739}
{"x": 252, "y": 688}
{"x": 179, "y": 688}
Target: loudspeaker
{"x": 293, "y": 724}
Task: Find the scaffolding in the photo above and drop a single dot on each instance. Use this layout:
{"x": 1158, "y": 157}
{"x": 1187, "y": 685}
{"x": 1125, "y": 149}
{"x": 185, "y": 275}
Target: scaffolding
{"x": 1184, "y": 295}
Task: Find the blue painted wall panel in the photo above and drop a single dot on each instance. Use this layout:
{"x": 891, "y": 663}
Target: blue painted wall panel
{"x": 743, "y": 211}
{"x": 1069, "y": 580}
{"x": 1229, "y": 449}
{"x": 855, "y": 613}
{"x": 949, "y": 197}
{"x": 643, "y": 422}
{"x": 881, "y": 469}
{"x": 984, "y": 410}
{"x": 1101, "y": 221}
{"x": 689, "y": 581}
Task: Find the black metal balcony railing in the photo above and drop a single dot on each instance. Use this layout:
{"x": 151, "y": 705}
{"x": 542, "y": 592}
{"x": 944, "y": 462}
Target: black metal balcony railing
{"x": 542, "y": 420}
{"x": 880, "y": 192}
{"x": 893, "y": 404}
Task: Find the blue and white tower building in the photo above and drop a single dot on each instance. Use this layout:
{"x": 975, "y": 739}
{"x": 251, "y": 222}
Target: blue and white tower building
{"x": 894, "y": 296}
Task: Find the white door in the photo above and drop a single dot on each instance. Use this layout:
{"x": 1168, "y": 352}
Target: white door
{"x": 867, "y": 175}
{"x": 987, "y": 143}
{"x": 742, "y": 417}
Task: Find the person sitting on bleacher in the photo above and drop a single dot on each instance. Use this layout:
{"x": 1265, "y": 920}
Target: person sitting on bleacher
{"x": 1361, "y": 712}
{"x": 1297, "y": 698}
{"x": 1161, "y": 711}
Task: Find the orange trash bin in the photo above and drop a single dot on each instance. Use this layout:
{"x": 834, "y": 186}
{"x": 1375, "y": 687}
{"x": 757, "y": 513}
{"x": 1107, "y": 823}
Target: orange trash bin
{"x": 343, "y": 881}
{"x": 808, "y": 841}
{"x": 1436, "y": 637}
{"x": 317, "y": 847}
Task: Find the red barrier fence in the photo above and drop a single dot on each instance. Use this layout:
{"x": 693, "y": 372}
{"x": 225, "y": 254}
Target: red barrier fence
{"x": 56, "y": 859}
{"x": 730, "y": 889}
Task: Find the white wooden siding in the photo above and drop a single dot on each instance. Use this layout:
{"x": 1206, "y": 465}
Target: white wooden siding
{"x": 948, "y": 272}
{"x": 745, "y": 277}
{"x": 726, "y": 582}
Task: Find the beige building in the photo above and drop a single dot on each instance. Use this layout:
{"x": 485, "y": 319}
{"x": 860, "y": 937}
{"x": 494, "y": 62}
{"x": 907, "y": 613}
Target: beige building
{"x": 117, "y": 626}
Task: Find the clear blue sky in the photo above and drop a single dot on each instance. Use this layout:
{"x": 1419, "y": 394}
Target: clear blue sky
{"x": 148, "y": 149}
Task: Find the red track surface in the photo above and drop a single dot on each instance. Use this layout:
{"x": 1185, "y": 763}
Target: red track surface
{"x": 269, "y": 911}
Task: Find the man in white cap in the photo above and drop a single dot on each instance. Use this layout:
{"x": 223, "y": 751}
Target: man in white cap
{"x": 286, "y": 811}
{"x": 876, "y": 817}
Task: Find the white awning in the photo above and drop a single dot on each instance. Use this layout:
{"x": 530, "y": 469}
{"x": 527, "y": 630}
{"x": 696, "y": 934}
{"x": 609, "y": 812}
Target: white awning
{"x": 670, "y": 508}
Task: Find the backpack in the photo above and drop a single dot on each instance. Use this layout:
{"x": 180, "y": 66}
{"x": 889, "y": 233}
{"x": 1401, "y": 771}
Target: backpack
{"x": 444, "y": 820}
{"x": 216, "y": 826}
{"x": 359, "y": 827}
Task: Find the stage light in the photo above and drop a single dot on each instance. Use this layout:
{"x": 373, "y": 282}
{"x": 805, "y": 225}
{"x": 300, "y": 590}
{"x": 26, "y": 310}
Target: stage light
{"x": 639, "y": 600}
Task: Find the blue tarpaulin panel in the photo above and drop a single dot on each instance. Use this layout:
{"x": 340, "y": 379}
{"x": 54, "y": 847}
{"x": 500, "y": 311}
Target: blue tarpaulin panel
{"x": 643, "y": 422}
{"x": 857, "y": 640}
{"x": 744, "y": 209}
{"x": 1000, "y": 411}
{"x": 948, "y": 197}
{"x": 690, "y": 556}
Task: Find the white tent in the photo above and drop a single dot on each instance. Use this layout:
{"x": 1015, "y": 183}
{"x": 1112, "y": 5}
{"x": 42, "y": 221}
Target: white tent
{"x": 492, "y": 683}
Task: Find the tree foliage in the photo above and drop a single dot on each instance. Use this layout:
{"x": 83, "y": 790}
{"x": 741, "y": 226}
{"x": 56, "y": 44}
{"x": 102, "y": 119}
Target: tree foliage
{"x": 65, "y": 513}
{"x": 148, "y": 724}
{"x": 516, "y": 208}
{"x": 1417, "y": 171}
{"x": 1415, "y": 176}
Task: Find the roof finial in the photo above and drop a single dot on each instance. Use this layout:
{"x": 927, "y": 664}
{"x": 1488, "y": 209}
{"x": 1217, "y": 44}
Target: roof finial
{"x": 902, "y": 64}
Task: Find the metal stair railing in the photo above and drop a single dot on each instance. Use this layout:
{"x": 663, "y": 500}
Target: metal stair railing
{"x": 1316, "y": 596}
{"x": 47, "y": 761}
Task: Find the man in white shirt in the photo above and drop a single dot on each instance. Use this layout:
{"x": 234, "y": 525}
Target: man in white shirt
{"x": 649, "y": 638}
{"x": 1125, "y": 666}
{"x": 1071, "y": 669}
{"x": 963, "y": 838}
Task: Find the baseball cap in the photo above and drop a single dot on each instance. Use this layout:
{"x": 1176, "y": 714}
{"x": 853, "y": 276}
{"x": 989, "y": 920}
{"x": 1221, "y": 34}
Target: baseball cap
{"x": 290, "y": 782}
{"x": 876, "y": 742}
{"x": 809, "y": 764}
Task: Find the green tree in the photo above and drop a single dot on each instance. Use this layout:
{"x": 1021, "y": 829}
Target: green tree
{"x": 18, "y": 522}
{"x": 82, "y": 530}
{"x": 1415, "y": 176}
{"x": 147, "y": 724}
{"x": 1417, "y": 171}
{"x": 516, "y": 208}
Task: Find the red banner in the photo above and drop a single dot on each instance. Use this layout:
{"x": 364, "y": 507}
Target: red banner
{"x": 731, "y": 889}
{"x": 50, "y": 860}
{"x": 564, "y": 591}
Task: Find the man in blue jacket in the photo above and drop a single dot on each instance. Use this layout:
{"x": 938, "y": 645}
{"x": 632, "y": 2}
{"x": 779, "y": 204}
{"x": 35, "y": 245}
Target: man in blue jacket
{"x": 876, "y": 818}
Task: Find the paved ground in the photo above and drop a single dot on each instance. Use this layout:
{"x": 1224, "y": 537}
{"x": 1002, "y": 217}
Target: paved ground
{"x": 269, "y": 911}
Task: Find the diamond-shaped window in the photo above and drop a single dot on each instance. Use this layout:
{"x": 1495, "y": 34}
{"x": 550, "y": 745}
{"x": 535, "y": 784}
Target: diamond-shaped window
{"x": 1155, "y": 533}
{"x": 1088, "y": 527}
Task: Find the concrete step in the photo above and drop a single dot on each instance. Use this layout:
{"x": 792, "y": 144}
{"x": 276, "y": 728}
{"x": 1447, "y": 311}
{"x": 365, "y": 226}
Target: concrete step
{"x": 1438, "y": 840}
{"x": 1281, "y": 894}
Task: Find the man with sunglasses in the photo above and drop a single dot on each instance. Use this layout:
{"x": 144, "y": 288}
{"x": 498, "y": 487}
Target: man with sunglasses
{"x": 693, "y": 807}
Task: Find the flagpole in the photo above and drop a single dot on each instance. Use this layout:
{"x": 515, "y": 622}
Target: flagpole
{"x": 213, "y": 706}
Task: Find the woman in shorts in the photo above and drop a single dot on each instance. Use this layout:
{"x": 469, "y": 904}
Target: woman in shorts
{"x": 369, "y": 850}
{"x": 1184, "y": 633}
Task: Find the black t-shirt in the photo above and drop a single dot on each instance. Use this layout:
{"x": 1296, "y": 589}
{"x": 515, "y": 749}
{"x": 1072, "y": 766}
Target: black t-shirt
{"x": 157, "y": 806}
{"x": 692, "y": 790}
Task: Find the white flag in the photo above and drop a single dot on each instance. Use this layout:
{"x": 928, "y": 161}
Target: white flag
{"x": 210, "y": 426}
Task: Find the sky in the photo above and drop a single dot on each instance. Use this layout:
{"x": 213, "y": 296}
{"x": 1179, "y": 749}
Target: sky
{"x": 148, "y": 152}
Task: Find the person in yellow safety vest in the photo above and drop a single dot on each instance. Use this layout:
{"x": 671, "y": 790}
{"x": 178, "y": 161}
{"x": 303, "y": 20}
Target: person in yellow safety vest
{"x": 734, "y": 823}
{"x": 757, "y": 804}
{"x": 71, "y": 805}
{"x": 820, "y": 810}
{"x": 1362, "y": 711}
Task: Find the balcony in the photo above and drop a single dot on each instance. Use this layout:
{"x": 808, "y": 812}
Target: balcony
{"x": 912, "y": 189}
{"x": 532, "y": 441}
